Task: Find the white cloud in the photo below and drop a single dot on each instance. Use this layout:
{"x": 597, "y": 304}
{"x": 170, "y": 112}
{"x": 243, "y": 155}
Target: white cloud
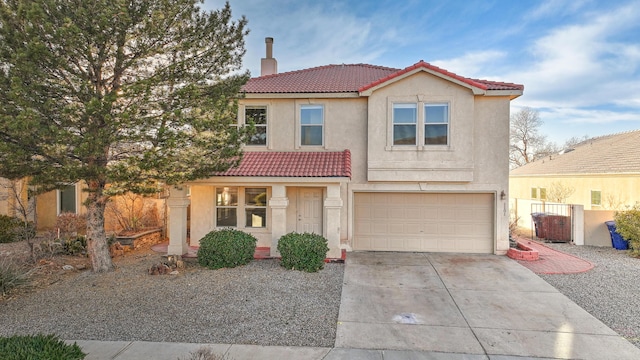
{"x": 557, "y": 7}
{"x": 584, "y": 64}
{"x": 471, "y": 64}
{"x": 312, "y": 34}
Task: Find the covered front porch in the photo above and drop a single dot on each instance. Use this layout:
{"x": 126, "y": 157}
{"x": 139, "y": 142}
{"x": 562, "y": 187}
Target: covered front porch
{"x": 268, "y": 196}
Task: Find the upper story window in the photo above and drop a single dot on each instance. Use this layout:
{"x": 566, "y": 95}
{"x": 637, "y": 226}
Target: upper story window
{"x": 420, "y": 124}
{"x": 436, "y": 124}
{"x": 311, "y": 124}
{"x": 596, "y": 198}
{"x": 257, "y": 115}
{"x": 404, "y": 124}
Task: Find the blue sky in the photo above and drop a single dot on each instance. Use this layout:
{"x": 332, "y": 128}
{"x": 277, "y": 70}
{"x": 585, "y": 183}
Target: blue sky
{"x": 579, "y": 60}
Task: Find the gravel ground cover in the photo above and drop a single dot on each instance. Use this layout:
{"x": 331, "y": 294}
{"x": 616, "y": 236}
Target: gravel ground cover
{"x": 610, "y": 291}
{"x": 259, "y": 303}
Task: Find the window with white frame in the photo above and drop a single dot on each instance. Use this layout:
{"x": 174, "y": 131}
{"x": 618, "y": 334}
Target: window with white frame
{"x": 420, "y": 124}
{"x": 257, "y": 115}
{"x": 255, "y": 201}
{"x": 311, "y": 125}
{"x": 241, "y": 207}
{"x": 436, "y": 124}
{"x": 404, "y": 124}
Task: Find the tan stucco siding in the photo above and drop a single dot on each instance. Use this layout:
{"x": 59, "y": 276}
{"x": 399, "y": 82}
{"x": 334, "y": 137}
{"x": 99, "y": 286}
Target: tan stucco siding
{"x": 452, "y": 162}
{"x": 203, "y": 214}
{"x": 617, "y": 191}
{"x": 345, "y": 127}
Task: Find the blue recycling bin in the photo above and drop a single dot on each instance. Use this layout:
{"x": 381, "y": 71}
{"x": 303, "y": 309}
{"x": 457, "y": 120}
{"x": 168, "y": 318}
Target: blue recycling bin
{"x": 617, "y": 240}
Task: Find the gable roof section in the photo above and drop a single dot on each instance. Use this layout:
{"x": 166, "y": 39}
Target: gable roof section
{"x": 610, "y": 154}
{"x": 357, "y": 78}
{"x": 293, "y": 164}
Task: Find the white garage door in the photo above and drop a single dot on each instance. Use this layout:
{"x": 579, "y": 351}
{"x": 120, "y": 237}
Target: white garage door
{"x": 424, "y": 222}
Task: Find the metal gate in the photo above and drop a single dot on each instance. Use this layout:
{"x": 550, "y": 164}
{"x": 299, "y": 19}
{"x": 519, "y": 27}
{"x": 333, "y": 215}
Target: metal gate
{"x": 552, "y": 222}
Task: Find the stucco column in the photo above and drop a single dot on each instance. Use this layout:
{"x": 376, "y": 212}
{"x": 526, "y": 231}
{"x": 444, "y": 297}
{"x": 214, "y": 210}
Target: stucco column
{"x": 278, "y": 204}
{"x": 332, "y": 208}
{"x": 177, "y": 204}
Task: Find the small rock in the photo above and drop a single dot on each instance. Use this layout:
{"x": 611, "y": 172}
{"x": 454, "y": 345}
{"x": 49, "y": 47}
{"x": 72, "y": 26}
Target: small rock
{"x": 68, "y": 267}
{"x": 81, "y": 266}
{"x": 174, "y": 272}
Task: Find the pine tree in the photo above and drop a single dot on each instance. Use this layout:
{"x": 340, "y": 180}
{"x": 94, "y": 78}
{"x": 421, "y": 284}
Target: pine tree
{"x": 119, "y": 94}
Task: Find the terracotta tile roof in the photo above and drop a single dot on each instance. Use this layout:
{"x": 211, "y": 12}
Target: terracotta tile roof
{"x": 293, "y": 164}
{"x": 610, "y": 154}
{"x": 323, "y": 79}
{"x": 351, "y": 78}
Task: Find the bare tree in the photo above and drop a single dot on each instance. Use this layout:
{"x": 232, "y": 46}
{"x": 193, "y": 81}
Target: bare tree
{"x": 23, "y": 208}
{"x": 559, "y": 192}
{"x": 526, "y": 142}
{"x": 573, "y": 141}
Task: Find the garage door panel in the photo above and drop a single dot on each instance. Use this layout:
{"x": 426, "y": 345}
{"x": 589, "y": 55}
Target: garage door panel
{"x": 380, "y": 228}
{"x": 424, "y": 222}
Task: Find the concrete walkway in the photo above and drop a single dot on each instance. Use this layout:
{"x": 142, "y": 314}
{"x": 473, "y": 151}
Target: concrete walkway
{"x": 430, "y": 306}
{"x": 552, "y": 261}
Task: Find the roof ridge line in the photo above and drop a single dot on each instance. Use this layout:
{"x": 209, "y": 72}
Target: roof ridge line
{"x": 608, "y": 135}
{"x": 326, "y": 67}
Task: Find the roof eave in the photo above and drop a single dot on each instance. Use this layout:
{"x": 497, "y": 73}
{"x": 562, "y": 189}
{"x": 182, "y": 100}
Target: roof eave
{"x": 512, "y": 94}
{"x": 369, "y": 89}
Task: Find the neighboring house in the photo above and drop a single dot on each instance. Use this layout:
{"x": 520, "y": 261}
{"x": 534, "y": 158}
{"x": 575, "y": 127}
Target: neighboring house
{"x": 371, "y": 157}
{"x": 51, "y": 204}
{"x": 14, "y": 200}
{"x": 602, "y": 173}
{"x": 47, "y": 206}
{"x": 70, "y": 199}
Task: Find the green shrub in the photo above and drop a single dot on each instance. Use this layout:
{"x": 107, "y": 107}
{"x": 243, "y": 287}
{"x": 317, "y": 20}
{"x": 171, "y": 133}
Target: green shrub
{"x": 8, "y": 227}
{"x": 38, "y": 347}
{"x": 226, "y": 248}
{"x": 304, "y": 251}
{"x": 628, "y": 225}
{"x": 74, "y": 246}
{"x": 11, "y": 276}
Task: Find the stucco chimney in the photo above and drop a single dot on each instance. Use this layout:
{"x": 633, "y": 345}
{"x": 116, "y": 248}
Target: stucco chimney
{"x": 268, "y": 65}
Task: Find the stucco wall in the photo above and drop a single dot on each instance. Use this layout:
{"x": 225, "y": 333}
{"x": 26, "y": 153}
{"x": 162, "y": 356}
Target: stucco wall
{"x": 453, "y": 162}
{"x": 345, "y": 127}
{"x": 617, "y": 191}
{"x": 475, "y": 161}
{"x": 595, "y": 230}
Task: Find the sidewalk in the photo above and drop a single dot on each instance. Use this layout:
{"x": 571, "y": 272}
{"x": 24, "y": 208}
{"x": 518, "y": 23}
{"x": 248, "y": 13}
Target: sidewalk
{"x": 141, "y": 350}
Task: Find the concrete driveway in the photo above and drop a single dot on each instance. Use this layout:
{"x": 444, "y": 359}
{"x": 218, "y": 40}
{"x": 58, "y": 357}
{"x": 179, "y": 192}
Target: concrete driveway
{"x": 449, "y": 306}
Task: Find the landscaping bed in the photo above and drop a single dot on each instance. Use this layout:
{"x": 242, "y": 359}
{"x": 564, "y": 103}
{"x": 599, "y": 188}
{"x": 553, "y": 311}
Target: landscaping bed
{"x": 259, "y": 303}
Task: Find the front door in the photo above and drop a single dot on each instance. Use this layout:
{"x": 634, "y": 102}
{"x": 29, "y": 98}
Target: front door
{"x": 309, "y": 210}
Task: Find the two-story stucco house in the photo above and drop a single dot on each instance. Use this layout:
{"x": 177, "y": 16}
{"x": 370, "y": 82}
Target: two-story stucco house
{"x": 371, "y": 157}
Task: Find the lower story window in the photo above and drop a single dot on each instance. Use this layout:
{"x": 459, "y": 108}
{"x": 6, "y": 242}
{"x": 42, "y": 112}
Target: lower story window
{"x": 232, "y": 203}
{"x": 67, "y": 201}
